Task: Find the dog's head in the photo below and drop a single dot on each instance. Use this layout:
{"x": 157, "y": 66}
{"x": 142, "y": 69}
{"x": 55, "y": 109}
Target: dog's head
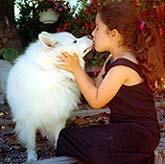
{"x": 53, "y": 44}
{"x": 65, "y": 42}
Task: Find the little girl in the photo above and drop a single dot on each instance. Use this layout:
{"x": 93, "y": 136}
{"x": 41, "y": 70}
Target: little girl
{"x": 126, "y": 85}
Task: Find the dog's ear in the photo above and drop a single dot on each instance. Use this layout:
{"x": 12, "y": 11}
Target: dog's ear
{"x": 46, "y": 40}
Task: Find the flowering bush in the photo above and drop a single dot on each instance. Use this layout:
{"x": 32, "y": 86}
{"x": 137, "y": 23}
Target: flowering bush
{"x": 62, "y": 8}
{"x": 79, "y": 22}
{"x": 58, "y": 6}
{"x": 28, "y": 23}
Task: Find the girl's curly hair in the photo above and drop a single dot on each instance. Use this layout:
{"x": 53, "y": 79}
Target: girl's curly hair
{"x": 139, "y": 36}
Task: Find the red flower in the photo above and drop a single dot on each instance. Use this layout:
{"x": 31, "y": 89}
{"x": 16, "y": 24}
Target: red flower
{"x": 86, "y": 26}
{"x": 60, "y": 9}
{"x": 67, "y": 25}
{"x": 78, "y": 21}
{"x": 87, "y": 11}
{"x": 92, "y": 25}
{"x": 94, "y": 2}
{"x": 59, "y": 29}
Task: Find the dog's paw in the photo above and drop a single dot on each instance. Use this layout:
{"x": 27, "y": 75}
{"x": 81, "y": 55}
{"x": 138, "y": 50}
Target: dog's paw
{"x": 31, "y": 156}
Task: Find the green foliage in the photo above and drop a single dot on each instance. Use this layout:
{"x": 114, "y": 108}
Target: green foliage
{"x": 28, "y": 23}
{"x": 10, "y": 54}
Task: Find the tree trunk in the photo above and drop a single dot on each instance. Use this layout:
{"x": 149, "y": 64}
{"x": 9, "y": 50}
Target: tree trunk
{"x": 9, "y": 37}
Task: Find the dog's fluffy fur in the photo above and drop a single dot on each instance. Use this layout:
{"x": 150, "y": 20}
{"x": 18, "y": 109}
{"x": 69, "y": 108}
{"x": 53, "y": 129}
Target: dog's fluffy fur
{"x": 40, "y": 95}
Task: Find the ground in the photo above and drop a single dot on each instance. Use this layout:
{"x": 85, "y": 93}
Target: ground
{"x": 12, "y": 152}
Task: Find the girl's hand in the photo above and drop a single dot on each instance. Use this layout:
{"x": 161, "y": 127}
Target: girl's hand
{"x": 69, "y": 62}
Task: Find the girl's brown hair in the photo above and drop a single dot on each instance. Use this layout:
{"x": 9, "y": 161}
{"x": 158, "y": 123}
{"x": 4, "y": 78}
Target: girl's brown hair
{"x": 139, "y": 36}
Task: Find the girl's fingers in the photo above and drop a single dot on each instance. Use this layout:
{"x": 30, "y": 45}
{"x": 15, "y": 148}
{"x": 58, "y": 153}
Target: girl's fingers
{"x": 63, "y": 58}
{"x": 61, "y": 65}
{"x": 66, "y": 54}
{"x": 74, "y": 54}
{"x": 67, "y": 61}
{"x": 69, "y": 55}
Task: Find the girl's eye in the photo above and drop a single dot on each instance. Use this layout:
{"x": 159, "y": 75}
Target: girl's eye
{"x": 75, "y": 41}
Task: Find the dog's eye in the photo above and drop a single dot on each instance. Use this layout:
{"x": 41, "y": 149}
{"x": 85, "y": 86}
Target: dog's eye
{"x": 75, "y": 41}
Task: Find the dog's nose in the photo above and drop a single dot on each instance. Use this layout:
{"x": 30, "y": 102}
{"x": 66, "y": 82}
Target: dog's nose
{"x": 89, "y": 36}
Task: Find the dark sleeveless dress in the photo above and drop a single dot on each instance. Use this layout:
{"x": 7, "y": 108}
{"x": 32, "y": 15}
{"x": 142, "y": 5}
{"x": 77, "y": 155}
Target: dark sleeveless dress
{"x": 130, "y": 138}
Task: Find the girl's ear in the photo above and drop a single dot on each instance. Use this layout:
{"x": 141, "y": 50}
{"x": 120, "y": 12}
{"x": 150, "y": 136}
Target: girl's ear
{"x": 46, "y": 40}
{"x": 114, "y": 34}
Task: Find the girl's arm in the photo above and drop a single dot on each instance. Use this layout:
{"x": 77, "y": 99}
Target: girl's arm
{"x": 96, "y": 96}
{"x": 99, "y": 78}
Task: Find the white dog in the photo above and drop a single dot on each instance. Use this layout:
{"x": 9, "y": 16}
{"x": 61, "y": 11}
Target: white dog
{"x": 40, "y": 95}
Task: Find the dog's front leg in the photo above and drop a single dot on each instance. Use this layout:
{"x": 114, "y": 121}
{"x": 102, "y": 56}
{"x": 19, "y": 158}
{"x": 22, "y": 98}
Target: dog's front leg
{"x": 31, "y": 146}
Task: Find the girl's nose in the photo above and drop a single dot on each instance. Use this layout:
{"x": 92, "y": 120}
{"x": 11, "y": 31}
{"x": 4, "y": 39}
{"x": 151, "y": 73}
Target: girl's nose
{"x": 92, "y": 33}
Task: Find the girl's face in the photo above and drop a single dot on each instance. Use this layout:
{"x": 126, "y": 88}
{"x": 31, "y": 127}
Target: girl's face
{"x": 100, "y": 35}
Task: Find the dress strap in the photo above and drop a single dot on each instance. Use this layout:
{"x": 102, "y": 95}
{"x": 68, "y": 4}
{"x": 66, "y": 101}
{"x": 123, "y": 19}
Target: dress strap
{"x": 125, "y": 62}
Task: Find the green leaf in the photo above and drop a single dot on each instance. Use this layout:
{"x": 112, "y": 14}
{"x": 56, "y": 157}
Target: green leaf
{"x": 10, "y": 54}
